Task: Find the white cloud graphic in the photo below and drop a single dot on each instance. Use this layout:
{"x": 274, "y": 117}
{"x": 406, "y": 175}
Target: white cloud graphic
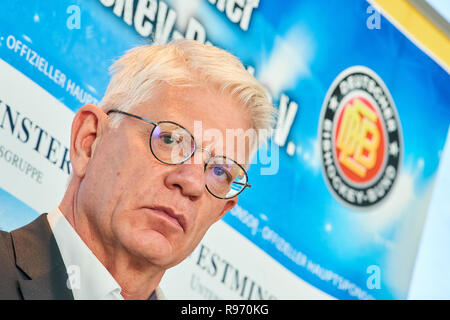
{"x": 185, "y": 10}
{"x": 403, "y": 212}
{"x": 401, "y": 198}
{"x": 400, "y": 259}
{"x": 289, "y": 60}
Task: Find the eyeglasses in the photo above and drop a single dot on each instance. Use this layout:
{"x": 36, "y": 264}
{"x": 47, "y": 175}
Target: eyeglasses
{"x": 170, "y": 143}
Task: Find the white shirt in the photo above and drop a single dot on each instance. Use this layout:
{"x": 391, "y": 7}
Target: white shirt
{"x": 88, "y": 277}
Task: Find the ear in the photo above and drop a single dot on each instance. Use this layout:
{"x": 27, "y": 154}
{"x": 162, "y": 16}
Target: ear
{"x": 87, "y": 128}
{"x": 227, "y": 207}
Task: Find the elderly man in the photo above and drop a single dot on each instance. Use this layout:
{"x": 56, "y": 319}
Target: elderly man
{"x": 152, "y": 171}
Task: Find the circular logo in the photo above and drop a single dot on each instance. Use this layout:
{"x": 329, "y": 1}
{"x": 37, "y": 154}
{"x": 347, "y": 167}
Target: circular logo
{"x": 360, "y": 138}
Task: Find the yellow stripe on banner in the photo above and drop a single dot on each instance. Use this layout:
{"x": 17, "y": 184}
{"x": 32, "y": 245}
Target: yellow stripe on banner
{"x": 418, "y": 28}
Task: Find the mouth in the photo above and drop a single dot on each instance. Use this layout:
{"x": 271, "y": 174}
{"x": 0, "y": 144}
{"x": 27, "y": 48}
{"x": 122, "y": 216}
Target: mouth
{"x": 175, "y": 219}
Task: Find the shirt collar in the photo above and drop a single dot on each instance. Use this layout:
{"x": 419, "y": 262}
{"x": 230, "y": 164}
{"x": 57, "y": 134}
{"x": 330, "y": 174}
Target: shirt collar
{"x": 88, "y": 277}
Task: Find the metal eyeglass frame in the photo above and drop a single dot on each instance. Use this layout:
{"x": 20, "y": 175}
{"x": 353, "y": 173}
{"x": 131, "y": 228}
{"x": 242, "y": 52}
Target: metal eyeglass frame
{"x": 196, "y": 147}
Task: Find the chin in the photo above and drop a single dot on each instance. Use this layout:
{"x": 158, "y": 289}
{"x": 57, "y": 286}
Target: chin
{"x": 152, "y": 246}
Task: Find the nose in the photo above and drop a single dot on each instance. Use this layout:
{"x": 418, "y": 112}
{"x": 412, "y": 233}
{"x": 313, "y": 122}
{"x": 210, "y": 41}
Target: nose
{"x": 188, "y": 178}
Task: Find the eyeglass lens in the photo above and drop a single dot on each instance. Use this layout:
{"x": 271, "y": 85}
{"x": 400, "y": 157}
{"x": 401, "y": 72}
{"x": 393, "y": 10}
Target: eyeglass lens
{"x": 172, "y": 144}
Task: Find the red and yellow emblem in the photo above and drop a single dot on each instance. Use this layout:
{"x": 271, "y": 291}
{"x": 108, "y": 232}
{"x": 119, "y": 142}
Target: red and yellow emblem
{"x": 360, "y": 138}
{"x": 360, "y": 141}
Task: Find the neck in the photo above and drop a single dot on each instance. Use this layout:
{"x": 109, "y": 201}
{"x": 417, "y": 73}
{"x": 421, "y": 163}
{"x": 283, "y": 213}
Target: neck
{"x": 137, "y": 277}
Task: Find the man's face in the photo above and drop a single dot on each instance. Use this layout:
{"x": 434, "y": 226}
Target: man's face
{"x": 156, "y": 211}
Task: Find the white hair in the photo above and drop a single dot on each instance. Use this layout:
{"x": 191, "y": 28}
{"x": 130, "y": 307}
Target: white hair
{"x": 142, "y": 70}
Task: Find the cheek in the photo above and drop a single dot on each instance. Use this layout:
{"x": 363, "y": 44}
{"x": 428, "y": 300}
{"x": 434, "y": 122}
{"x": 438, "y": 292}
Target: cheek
{"x": 206, "y": 217}
{"x": 121, "y": 171}
{"x": 108, "y": 180}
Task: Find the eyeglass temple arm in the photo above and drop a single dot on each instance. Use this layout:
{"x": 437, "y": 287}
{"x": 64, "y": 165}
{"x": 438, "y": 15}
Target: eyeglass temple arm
{"x": 131, "y": 115}
{"x": 243, "y": 184}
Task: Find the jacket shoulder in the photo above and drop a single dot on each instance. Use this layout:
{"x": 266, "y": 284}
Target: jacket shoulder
{"x": 6, "y": 248}
{"x": 8, "y": 272}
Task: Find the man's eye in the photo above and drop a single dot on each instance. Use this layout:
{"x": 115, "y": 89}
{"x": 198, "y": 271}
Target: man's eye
{"x": 221, "y": 173}
{"x": 170, "y": 139}
{"x": 218, "y": 171}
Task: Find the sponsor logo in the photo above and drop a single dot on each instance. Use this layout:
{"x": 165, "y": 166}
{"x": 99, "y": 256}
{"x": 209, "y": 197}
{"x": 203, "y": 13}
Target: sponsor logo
{"x": 360, "y": 138}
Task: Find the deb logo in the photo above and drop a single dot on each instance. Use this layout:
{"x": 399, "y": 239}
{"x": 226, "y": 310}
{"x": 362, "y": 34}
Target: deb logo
{"x": 360, "y": 138}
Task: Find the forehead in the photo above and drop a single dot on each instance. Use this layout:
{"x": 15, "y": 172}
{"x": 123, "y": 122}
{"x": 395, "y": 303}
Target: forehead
{"x": 209, "y": 116}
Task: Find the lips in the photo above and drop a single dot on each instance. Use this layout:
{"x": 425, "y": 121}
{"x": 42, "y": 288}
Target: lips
{"x": 170, "y": 215}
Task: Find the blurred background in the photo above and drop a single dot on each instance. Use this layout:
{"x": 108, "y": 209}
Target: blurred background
{"x": 333, "y": 212}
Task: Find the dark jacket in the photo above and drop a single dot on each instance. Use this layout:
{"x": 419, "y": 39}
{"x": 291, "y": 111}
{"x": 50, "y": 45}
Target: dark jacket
{"x": 31, "y": 266}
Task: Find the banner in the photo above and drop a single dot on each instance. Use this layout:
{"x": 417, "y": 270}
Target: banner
{"x": 340, "y": 194}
